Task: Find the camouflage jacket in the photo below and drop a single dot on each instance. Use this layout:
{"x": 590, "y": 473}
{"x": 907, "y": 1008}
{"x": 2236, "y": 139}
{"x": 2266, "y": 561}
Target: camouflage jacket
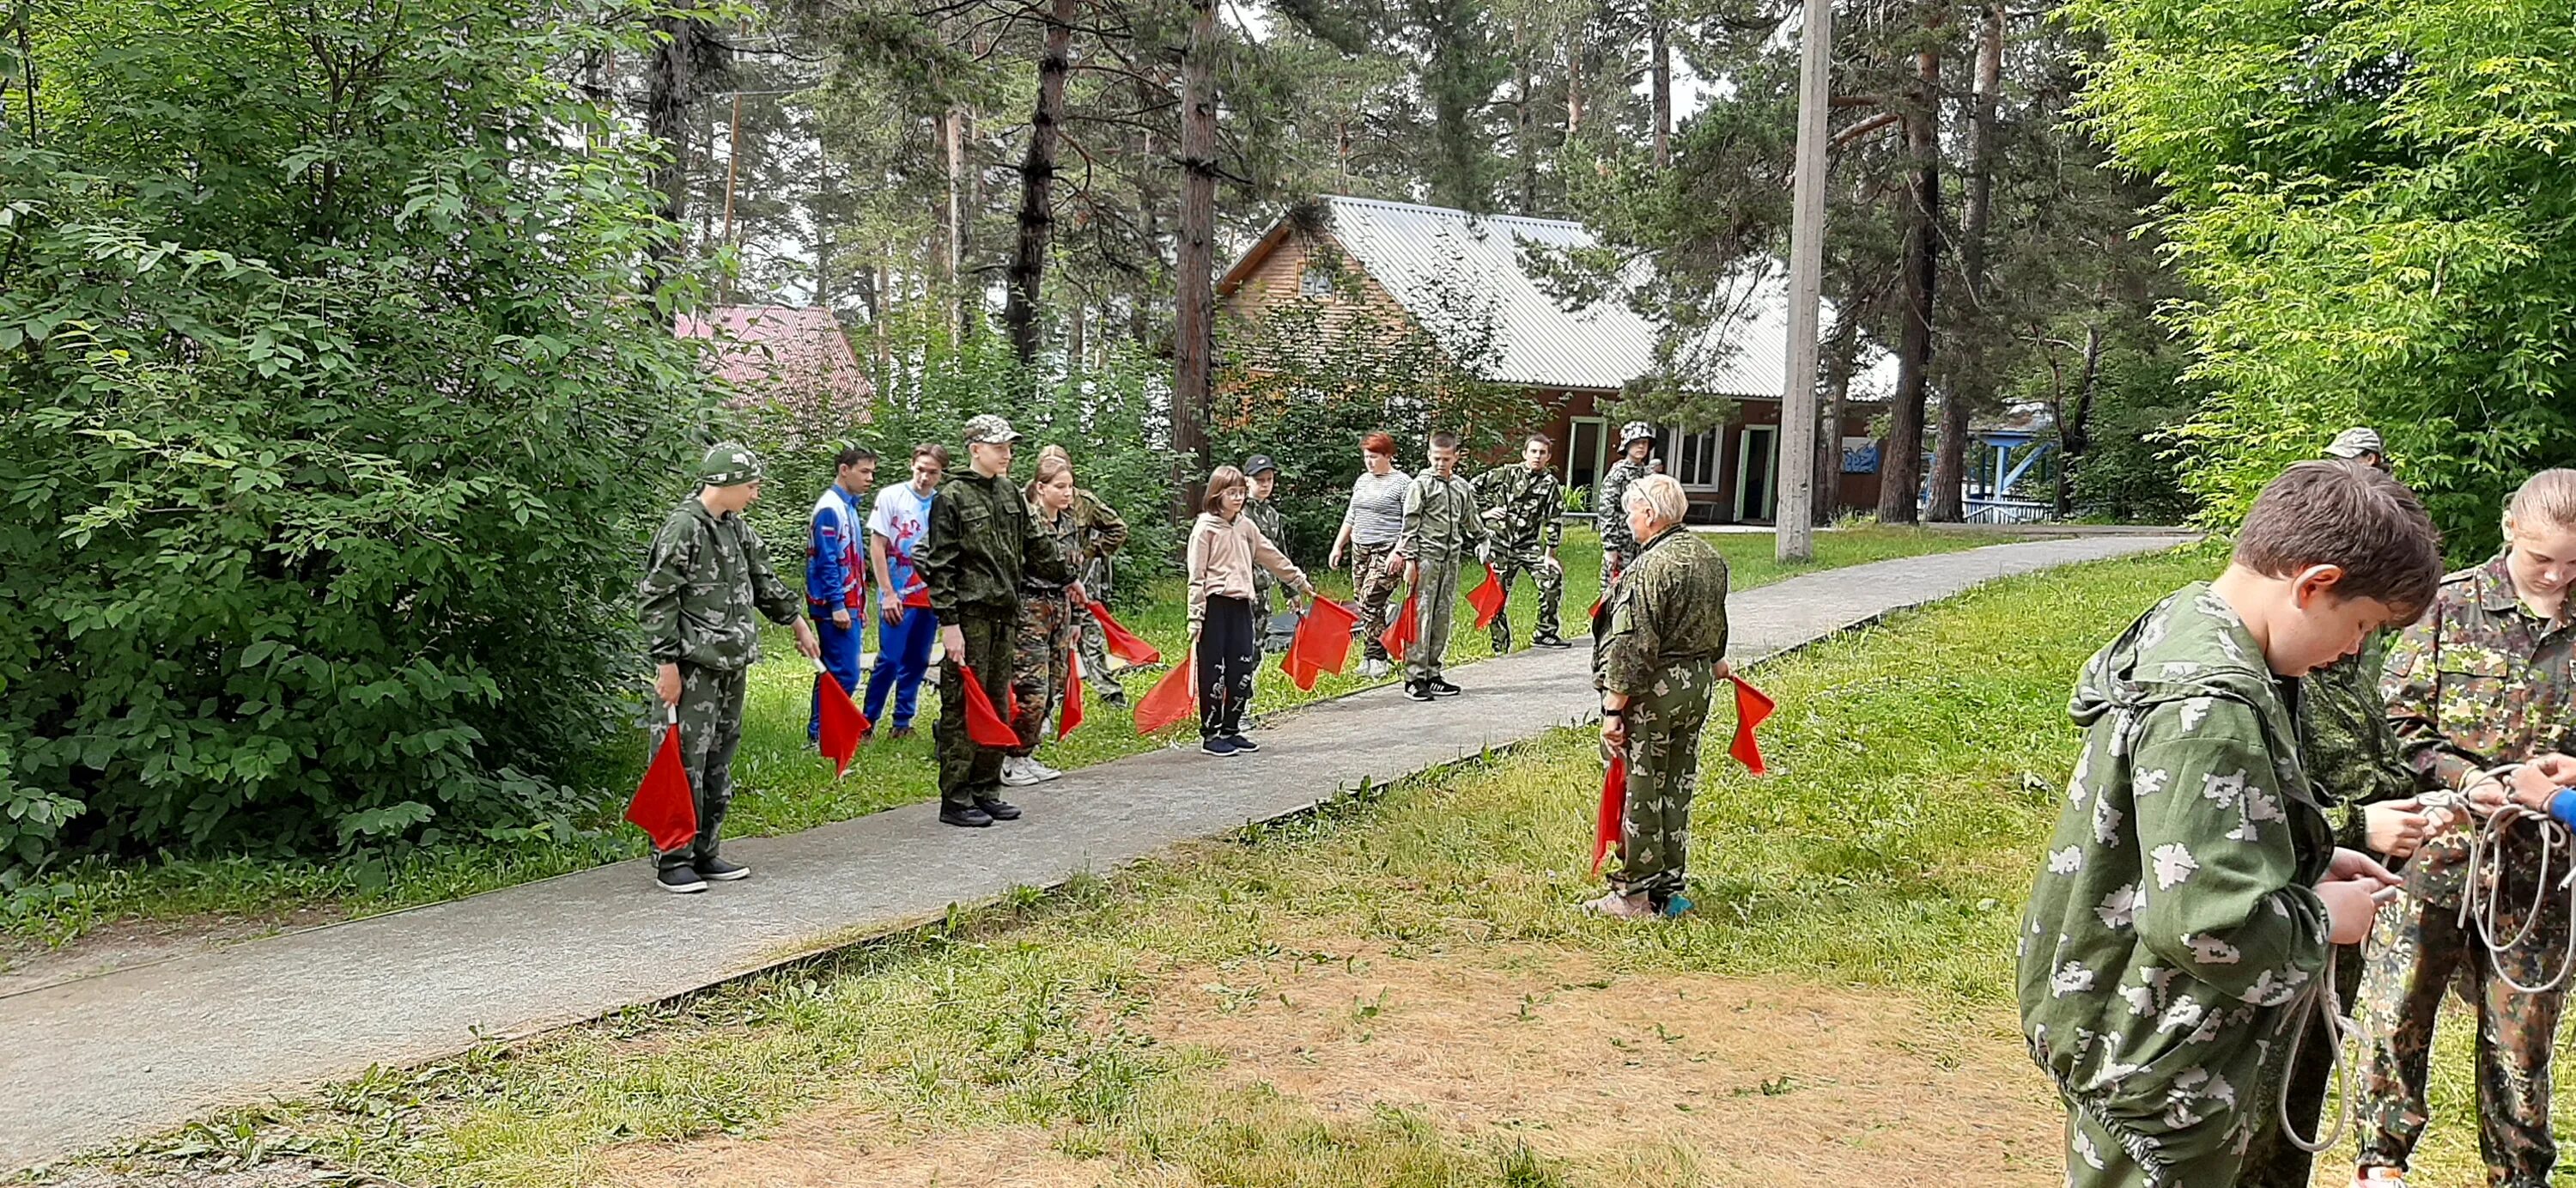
{"x": 704, "y": 576}
{"x": 2479, "y": 681}
{"x": 1667, "y": 607}
{"x": 1610, "y": 515}
{"x": 1265, "y": 516}
{"x": 2346, "y": 744}
{"x": 1103, "y": 532}
{"x": 983, "y": 541}
{"x": 1441, "y": 521}
{"x": 1066, "y": 531}
{"x": 2174, "y": 922}
{"x": 1532, "y": 502}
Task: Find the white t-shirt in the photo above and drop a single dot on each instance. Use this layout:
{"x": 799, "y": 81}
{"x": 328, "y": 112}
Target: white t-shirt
{"x": 902, "y": 516}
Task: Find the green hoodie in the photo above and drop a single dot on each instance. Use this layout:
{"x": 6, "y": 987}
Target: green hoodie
{"x": 2174, "y": 930}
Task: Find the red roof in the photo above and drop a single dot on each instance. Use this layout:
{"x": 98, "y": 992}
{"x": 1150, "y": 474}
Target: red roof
{"x": 774, "y": 351}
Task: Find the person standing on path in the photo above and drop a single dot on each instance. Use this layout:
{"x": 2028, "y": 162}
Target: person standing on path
{"x": 898, "y": 526}
{"x": 705, "y": 576}
{"x": 1103, "y": 534}
{"x": 2191, "y": 896}
{"x": 836, "y": 577}
{"x": 1371, "y": 525}
{"x": 983, "y": 543}
{"x": 1263, "y": 474}
{"x": 1225, "y": 548}
{"x": 1043, "y": 665}
{"x": 1442, "y": 526}
{"x": 1658, "y": 652}
{"x": 1524, "y": 508}
{"x": 2487, "y": 678}
{"x": 1636, "y": 448}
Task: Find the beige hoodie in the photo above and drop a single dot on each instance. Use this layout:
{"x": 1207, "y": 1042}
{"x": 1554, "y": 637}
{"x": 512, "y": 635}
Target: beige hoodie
{"x": 1222, "y": 554}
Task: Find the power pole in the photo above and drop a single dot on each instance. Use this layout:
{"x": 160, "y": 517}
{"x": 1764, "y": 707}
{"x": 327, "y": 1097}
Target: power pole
{"x": 1796, "y": 515}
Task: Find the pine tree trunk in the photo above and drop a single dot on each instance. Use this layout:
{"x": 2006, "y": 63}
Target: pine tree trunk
{"x": 1842, "y": 353}
{"x": 2074, "y": 431}
{"x": 1574, "y": 80}
{"x": 1970, "y": 383}
{"x": 1194, "y": 330}
{"x": 1660, "y": 49}
{"x": 1525, "y": 119}
{"x": 670, "y": 86}
{"x": 1037, "y": 186}
{"x": 1901, "y": 471}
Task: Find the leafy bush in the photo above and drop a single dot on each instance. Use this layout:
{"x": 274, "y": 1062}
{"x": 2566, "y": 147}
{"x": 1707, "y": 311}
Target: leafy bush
{"x": 332, "y": 421}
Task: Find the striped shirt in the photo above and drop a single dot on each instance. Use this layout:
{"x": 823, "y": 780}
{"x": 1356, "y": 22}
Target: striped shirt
{"x": 1376, "y": 513}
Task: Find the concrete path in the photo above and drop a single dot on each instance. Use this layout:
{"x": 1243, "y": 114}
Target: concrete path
{"x": 145, "y": 1048}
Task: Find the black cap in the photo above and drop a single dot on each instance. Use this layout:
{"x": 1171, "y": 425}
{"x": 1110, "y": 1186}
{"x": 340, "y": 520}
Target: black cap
{"x": 1258, "y": 463}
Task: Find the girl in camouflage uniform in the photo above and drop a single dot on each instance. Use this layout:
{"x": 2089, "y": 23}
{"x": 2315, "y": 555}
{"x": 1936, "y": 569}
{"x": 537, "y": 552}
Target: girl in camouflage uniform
{"x": 1043, "y": 669}
{"x": 1370, "y": 527}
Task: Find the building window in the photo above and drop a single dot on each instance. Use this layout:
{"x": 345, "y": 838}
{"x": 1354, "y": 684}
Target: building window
{"x": 1691, "y": 458}
{"x": 1315, "y": 283}
{"x": 1584, "y": 451}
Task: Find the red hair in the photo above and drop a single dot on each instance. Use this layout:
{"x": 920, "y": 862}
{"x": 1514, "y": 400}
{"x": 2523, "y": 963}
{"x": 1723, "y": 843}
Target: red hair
{"x": 1378, "y": 443}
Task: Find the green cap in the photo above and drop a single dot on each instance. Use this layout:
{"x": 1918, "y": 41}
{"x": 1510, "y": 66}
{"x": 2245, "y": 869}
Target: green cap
{"x": 729, "y": 464}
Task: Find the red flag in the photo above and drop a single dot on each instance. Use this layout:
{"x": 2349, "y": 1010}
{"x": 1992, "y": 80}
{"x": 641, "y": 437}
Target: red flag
{"x": 1751, "y": 707}
{"x": 1123, "y": 643}
{"x": 842, "y": 723}
{"x": 1596, "y": 609}
{"x": 1071, "y": 715}
{"x": 1172, "y": 699}
{"x": 1487, "y": 598}
{"x": 985, "y": 727}
{"x": 1323, "y": 644}
{"x": 663, "y": 804}
{"x": 1614, "y": 806}
{"x": 1401, "y": 633}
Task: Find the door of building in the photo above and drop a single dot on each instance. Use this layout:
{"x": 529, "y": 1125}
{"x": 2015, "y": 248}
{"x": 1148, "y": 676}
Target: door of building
{"x": 1757, "y": 452}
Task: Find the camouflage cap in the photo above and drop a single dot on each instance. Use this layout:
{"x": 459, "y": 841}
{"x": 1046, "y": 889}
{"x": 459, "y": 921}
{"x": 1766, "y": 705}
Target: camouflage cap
{"x": 2353, "y": 443}
{"x": 729, "y": 464}
{"x": 1634, "y": 430}
{"x": 989, "y": 430}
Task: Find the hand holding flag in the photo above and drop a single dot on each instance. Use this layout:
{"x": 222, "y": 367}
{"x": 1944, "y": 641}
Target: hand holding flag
{"x": 1323, "y": 644}
{"x": 664, "y": 805}
{"x": 986, "y": 727}
{"x": 1401, "y": 633}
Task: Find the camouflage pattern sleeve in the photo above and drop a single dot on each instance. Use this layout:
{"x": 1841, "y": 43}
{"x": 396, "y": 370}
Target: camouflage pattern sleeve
{"x": 771, "y": 595}
{"x": 1552, "y": 514}
{"x": 941, "y": 557}
{"x": 1108, "y": 530}
{"x": 2412, "y": 685}
{"x": 2220, "y": 897}
{"x": 1472, "y": 514}
{"x": 1631, "y": 649}
{"x": 1040, "y": 556}
{"x": 1408, "y": 543}
{"x": 667, "y": 566}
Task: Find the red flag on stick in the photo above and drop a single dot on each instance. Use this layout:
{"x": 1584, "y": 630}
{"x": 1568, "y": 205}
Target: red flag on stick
{"x": 1614, "y": 807}
{"x": 1123, "y": 643}
{"x": 663, "y": 805}
{"x": 842, "y": 723}
{"x": 983, "y": 725}
{"x": 1071, "y": 715}
{"x": 1323, "y": 644}
{"x": 1751, "y": 707}
{"x": 1487, "y": 598}
{"x": 1172, "y": 699}
{"x": 1401, "y": 633}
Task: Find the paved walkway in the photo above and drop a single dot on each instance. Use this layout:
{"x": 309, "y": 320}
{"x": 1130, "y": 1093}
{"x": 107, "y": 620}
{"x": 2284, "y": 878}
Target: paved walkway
{"x": 145, "y": 1048}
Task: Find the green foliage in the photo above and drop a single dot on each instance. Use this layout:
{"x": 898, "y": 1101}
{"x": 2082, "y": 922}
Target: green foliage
{"x": 2129, "y": 474}
{"x": 331, "y": 418}
{"x": 2372, "y": 203}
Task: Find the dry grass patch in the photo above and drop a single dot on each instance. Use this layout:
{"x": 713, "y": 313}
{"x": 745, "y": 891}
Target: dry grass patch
{"x": 854, "y": 1148}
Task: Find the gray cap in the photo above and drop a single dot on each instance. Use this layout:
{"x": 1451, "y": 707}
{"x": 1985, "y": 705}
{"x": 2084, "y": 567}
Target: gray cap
{"x": 1257, "y": 463}
{"x": 729, "y": 464}
{"x": 989, "y": 430}
{"x": 2353, "y": 443}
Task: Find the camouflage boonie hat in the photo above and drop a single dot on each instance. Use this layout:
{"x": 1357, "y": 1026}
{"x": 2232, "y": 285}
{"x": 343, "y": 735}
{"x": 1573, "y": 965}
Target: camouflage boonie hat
{"x": 729, "y": 464}
{"x": 1634, "y": 430}
{"x": 2353, "y": 443}
{"x": 989, "y": 430}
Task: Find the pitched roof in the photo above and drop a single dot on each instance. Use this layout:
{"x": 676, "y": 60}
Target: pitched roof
{"x": 1462, "y": 275}
{"x": 781, "y": 346}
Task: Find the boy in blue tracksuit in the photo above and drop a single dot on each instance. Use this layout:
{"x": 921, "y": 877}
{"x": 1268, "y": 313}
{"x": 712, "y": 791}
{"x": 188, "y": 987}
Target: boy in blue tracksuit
{"x": 836, "y": 571}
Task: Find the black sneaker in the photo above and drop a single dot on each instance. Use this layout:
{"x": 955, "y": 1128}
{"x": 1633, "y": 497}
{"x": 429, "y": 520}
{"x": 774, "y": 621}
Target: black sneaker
{"x": 970, "y": 816}
{"x": 998, "y": 808}
{"x": 1417, "y": 690}
{"x": 680, "y": 880}
{"x": 1549, "y": 641}
{"x": 1219, "y": 746}
{"x": 1242, "y": 745}
{"x": 717, "y": 870}
{"x": 1443, "y": 688}
{"x": 901, "y": 733}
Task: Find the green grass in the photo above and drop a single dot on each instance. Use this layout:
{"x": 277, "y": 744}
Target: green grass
{"x": 782, "y": 785}
{"x": 1915, "y": 767}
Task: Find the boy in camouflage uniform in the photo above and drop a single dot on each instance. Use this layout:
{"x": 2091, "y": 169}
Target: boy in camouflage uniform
{"x": 2184, "y": 912}
{"x": 1441, "y": 527}
{"x": 1523, "y": 505}
{"x": 704, "y": 576}
{"x": 1658, "y": 653}
{"x": 1263, "y": 474}
{"x": 1103, "y": 533}
{"x": 1636, "y": 445}
{"x": 2487, "y": 678}
{"x": 982, "y": 541}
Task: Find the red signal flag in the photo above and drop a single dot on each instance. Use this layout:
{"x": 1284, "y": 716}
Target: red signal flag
{"x": 663, "y": 805}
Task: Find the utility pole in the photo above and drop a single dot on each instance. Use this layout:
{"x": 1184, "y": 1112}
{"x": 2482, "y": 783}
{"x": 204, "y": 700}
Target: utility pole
{"x": 1795, "y": 516}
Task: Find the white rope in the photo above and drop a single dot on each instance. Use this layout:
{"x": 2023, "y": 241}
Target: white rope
{"x": 2481, "y": 902}
{"x": 2322, "y": 1002}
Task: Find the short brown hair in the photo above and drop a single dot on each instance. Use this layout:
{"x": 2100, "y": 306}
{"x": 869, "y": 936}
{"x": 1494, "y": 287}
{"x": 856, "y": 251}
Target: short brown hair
{"x": 1226, "y": 478}
{"x": 932, "y": 450}
{"x": 1378, "y": 443}
{"x": 1444, "y": 440}
{"x": 2349, "y": 515}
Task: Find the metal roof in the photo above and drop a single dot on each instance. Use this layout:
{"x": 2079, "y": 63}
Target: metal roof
{"x": 1464, "y": 276}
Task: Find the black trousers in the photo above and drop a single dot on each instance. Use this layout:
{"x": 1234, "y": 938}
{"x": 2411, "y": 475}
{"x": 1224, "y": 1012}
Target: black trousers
{"x": 1229, "y": 654}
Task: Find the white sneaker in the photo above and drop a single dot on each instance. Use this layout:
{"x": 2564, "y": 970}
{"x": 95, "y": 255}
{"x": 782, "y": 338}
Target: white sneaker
{"x": 1044, "y": 772}
{"x": 2379, "y": 1177}
{"x": 1016, "y": 773}
{"x": 1372, "y": 670}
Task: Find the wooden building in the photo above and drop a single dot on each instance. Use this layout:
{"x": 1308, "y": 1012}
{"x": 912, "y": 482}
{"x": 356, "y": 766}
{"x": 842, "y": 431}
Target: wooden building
{"x": 1466, "y": 277}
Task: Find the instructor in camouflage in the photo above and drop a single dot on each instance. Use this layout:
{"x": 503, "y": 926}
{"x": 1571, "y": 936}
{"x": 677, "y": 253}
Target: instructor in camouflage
{"x": 1658, "y": 652}
{"x": 983, "y": 541}
{"x": 704, "y": 577}
{"x": 1636, "y": 451}
{"x": 1263, "y": 475}
{"x": 1524, "y": 504}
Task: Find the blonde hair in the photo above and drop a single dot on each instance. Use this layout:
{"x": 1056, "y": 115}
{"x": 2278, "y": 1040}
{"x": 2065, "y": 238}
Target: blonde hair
{"x": 1661, "y": 494}
{"x": 1049, "y": 466}
{"x": 2547, "y": 498}
{"x": 1053, "y": 450}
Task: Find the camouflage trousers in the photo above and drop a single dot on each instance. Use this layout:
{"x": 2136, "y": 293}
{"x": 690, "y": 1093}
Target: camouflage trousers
{"x": 1373, "y": 584}
{"x": 1664, "y": 727}
{"x": 1435, "y": 610}
{"x": 2096, "y": 1159}
{"x": 1509, "y": 564}
{"x": 1094, "y": 644}
{"x": 2417, "y": 955}
{"x": 1042, "y": 665}
{"x": 710, "y": 729}
{"x": 2273, "y": 1161}
{"x": 967, "y": 770}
